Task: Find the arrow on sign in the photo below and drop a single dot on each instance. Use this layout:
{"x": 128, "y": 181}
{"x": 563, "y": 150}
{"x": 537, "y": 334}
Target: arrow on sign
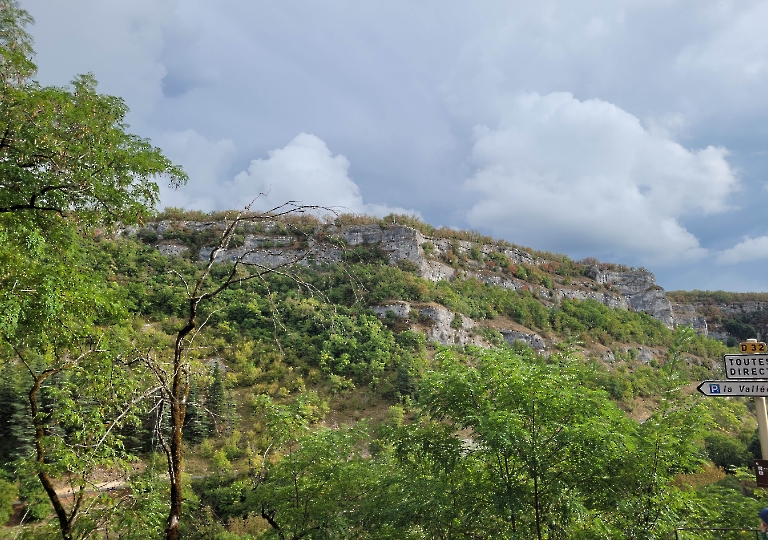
{"x": 733, "y": 388}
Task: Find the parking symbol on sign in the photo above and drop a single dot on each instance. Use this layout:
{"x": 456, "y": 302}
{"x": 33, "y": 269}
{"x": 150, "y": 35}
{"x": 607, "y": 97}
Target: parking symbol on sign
{"x": 714, "y": 388}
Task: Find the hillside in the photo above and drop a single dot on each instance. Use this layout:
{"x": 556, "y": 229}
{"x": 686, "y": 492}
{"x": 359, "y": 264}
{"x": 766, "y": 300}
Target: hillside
{"x": 373, "y": 378}
{"x": 438, "y": 255}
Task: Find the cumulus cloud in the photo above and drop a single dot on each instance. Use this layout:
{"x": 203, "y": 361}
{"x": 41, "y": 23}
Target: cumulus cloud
{"x": 207, "y": 164}
{"x": 307, "y": 172}
{"x": 749, "y": 249}
{"x": 304, "y": 171}
{"x": 586, "y": 176}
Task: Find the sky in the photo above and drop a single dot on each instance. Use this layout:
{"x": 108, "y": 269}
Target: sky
{"x": 633, "y": 131}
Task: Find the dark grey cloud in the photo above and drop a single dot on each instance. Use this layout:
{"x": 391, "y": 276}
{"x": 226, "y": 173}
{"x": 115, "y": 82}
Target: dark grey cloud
{"x": 421, "y": 101}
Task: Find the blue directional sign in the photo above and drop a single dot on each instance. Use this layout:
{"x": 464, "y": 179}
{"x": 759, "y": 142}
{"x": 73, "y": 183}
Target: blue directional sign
{"x": 734, "y": 388}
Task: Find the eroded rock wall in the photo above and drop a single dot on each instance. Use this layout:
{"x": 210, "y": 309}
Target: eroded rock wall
{"x": 640, "y": 290}
{"x": 270, "y": 246}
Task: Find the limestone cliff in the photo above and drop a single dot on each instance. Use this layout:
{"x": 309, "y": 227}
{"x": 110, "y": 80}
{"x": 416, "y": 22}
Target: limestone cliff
{"x": 640, "y": 290}
{"x": 270, "y": 244}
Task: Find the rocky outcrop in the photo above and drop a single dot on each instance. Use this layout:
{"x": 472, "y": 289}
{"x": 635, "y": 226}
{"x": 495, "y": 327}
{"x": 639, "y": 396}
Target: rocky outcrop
{"x": 269, "y": 245}
{"x": 172, "y": 250}
{"x": 640, "y": 290}
{"x": 643, "y": 354}
{"x": 611, "y": 300}
{"x": 442, "y": 325}
{"x": 532, "y": 339}
{"x": 497, "y": 280}
{"x": 442, "y": 246}
{"x": 399, "y": 309}
{"x": 741, "y": 308}
{"x": 397, "y": 241}
{"x": 686, "y": 315}
{"x": 436, "y": 271}
{"x": 443, "y": 328}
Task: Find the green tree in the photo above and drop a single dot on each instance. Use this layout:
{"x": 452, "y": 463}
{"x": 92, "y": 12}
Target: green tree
{"x": 66, "y": 150}
{"x": 66, "y": 162}
{"x": 548, "y": 441}
{"x": 202, "y": 286}
{"x": 8, "y": 494}
{"x": 666, "y": 444}
{"x": 308, "y": 483}
{"x": 727, "y": 451}
{"x": 432, "y": 485}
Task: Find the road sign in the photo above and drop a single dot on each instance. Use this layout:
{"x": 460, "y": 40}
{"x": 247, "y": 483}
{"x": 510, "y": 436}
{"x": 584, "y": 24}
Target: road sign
{"x": 761, "y": 472}
{"x": 733, "y": 388}
{"x": 746, "y": 366}
{"x": 752, "y": 347}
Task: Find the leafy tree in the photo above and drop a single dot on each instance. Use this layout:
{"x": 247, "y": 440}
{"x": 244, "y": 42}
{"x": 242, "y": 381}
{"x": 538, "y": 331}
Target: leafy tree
{"x": 433, "y": 485}
{"x": 549, "y": 443}
{"x": 313, "y": 489}
{"x": 66, "y": 150}
{"x": 740, "y": 329}
{"x": 204, "y": 284}
{"x": 66, "y": 161}
{"x": 666, "y": 444}
{"x": 15, "y": 425}
{"x": 727, "y": 451}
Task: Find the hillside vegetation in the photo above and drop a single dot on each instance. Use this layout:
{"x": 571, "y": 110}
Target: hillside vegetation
{"x": 312, "y": 416}
{"x": 269, "y": 375}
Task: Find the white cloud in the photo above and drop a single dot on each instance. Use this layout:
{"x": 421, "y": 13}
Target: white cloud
{"x": 207, "y": 164}
{"x": 307, "y": 172}
{"x": 750, "y": 249}
{"x": 573, "y": 175}
{"x": 304, "y": 171}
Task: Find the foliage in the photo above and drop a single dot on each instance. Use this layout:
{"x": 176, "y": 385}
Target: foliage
{"x": 715, "y": 297}
{"x": 607, "y": 325}
{"x": 726, "y": 451}
{"x": 8, "y": 494}
{"x": 739, "y": 329}
{"x": 548, "y": 446}
{"x": 66, "y": 161}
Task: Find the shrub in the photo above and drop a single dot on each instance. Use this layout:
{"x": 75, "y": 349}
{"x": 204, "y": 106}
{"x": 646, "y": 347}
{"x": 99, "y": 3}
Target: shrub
{"x": 725, "y": 450}
{"x": 8, "y": 493}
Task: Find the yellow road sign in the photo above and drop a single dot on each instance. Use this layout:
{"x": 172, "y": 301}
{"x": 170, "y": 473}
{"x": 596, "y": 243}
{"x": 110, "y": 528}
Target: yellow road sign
{"x": 753, "y": 347}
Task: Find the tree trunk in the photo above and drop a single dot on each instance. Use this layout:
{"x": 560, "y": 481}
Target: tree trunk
{"x": 175, "y": 458}
{"x": 65, "y": 523}
{"x": 175, "y": 450}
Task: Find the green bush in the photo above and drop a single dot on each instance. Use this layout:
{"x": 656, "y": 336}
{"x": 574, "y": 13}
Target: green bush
{"x": 8, "y": 494}
{"x": 726, "y": 451}
{"x": 607, "y": 325}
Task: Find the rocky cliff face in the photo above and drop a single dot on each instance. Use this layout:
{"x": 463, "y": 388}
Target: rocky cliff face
{"x": 270, "y": 245}
{"x": 640, "y": 290}
{"x": 714, "y": 315}
{"x": 686, "y": 315}
{"x": 440, "y": 325}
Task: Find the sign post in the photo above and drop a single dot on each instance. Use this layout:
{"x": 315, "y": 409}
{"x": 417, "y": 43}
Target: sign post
{"x": 762, "y": 425}
{"x": 761, "y": 472}
{"x": 747, "y": 375}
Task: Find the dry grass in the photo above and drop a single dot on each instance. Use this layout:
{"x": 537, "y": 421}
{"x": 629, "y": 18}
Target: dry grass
{"x": 709, "y": 474}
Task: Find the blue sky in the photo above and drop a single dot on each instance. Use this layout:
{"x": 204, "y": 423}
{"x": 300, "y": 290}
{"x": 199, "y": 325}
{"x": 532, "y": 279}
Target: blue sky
{"x": 631, "y": 131}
